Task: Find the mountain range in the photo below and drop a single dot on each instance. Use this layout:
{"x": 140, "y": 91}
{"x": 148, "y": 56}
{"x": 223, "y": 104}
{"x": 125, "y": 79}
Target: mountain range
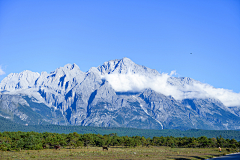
{"x": 118, "y": 93}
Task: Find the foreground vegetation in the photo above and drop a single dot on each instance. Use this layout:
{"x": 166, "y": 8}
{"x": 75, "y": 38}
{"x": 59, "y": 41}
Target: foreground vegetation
{"x": 116, "y": 153}
{"x": 25, "y": 145}
{"x": 37, "y": 141}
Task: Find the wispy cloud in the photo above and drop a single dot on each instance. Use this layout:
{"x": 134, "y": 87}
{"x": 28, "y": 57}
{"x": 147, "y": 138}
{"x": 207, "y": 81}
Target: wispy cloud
{"x": 136, "y": 82}
{"x": 1, "y": 71}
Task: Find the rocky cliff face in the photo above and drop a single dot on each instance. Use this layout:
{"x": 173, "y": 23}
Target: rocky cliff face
{"x": 119, "y": 93}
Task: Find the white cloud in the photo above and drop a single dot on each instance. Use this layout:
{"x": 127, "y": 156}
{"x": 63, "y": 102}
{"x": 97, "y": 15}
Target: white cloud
{"x": 227, "y": 97}
{"x": 136, "y": 82}
{"x": 1, "y": 71}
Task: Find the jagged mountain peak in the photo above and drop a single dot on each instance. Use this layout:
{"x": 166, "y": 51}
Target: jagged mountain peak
{"x": 93, "y": 70}
{"x": 123, "y": 60}
{"x": 19, "y": 80}
{"x": 67, "y": 68}
{"x": 22, "y": 74}
{"x": 63, "y": 78}
{"x": 116, "y": 66}
{"x": 71, "y": 66}
{"x": 125, "y": 66}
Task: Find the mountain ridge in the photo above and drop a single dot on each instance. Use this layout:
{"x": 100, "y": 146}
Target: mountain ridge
{"x": 118, "y": 93}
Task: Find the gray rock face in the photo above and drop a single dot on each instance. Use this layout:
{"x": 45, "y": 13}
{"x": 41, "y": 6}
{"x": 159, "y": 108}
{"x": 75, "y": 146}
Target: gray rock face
{"x": 69, "y": 96}
{"x": 9, "y": 106}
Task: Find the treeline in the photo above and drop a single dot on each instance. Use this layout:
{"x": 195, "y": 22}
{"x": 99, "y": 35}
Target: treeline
{"x": 36, "y": 141}
{"x": 7, "y": 125}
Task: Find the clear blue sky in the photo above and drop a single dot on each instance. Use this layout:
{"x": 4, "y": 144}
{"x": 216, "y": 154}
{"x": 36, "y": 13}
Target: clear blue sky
{"x": 42, "y": 35}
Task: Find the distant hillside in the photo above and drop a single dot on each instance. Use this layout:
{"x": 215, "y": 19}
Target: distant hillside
{"x": 8, "y": 125}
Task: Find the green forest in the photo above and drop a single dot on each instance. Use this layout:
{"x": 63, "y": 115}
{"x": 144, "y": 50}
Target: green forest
{"x": 8, "y": 125}
{"x": 15, "y": 136}
{"x": 37, "y": 141}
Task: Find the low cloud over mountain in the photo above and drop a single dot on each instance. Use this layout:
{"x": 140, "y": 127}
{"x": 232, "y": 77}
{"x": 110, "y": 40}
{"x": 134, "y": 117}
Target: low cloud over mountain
{"x": 160, "y": 83}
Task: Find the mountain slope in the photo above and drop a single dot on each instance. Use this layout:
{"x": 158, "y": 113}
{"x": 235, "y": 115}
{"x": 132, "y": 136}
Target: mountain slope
{"x": 119, "y": 93}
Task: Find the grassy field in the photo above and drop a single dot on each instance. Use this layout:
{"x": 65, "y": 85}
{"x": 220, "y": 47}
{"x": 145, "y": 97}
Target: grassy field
{"x": 116, "y": 153}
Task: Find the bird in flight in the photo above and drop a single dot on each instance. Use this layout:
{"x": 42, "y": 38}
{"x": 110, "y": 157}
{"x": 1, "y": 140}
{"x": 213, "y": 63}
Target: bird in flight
{"x": 190, "y": 53}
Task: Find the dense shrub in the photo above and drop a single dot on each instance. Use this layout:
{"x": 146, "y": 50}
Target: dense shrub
{"x": 37, "y": 141}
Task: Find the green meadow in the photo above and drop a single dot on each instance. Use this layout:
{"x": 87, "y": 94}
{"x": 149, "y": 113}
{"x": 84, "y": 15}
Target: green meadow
{"x": 85, "y": 153}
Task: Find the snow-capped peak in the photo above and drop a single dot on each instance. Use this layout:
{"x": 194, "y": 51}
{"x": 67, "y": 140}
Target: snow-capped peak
{"x": 126, "y": 66}
{"x": 21, "y": 80}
